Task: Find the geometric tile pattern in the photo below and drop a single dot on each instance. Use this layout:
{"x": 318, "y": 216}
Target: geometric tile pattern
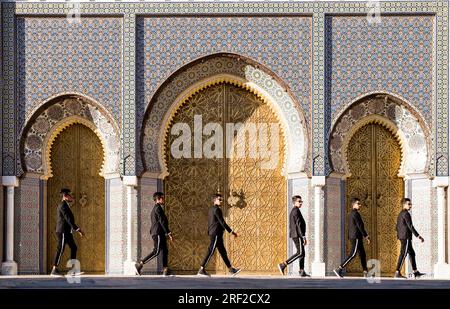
{"x": 130, "y": 153}
{"x": 56, "y": 56}
{"x": 394, "y": 55}
{"x": 415, "y": 136}
{"x": 293, "y": 9}
{"x": 26, "y": 225}
{"x": 240, "y": 70}
{"x": 282, "y": 44}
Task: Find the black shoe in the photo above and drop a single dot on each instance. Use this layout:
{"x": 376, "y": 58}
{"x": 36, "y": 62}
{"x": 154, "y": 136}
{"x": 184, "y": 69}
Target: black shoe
{"x": 418, "y": 274}
{"x": 302, "y": 273}
{"x": 234, "y": 271}
{"x": 168, "y": 273}
{"x": 55, "y": 273}
{"x": 202, "y": 272}
{"x": 138, "y": 268}
{"x": 398, "y": 275}
{"x": 338, "y": 272}
{"x": 281, "y": 268}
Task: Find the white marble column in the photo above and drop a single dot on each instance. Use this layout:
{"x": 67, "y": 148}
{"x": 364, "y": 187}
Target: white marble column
{"x": 441, "y": 268}
{"x": 131, "y": 183}
{"x": 9, "y": 266}
{"x": 318, "y": 266}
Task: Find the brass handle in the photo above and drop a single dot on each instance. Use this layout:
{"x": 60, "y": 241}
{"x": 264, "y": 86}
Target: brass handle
{"x": 378, "y": 199}
{"x": 83, "y": 199}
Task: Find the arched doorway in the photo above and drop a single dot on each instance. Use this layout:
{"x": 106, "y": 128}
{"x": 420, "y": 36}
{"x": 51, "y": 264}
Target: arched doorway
{"x": 255, "y": 197}
{"x": 76, "y": 160}
{"x": 374, "y": 158}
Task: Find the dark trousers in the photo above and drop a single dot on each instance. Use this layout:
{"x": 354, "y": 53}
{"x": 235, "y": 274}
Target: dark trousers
{"x": 406, "y": 248}
{"x": 63, "y": 239}
{"x": 357, "y": 246}
{"x": 216, "y": 242}
{"x": 300, "y": 254}
{"x": 159, "y": 245}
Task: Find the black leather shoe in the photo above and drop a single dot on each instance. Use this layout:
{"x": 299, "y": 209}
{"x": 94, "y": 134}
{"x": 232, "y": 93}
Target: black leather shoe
{"x": 281, "y": 268}
{"x": 418, "y": 274}
{"x": 234, "y": 271}
{"x": 202, "y": 272}
{"x": 138, "y": 268}
{"x": 302, "y": 273}
{"x": 55, "y": 273}
{"x": 338, "y": 272}
{"x": 398, "y": 275}
{"x": 168, "y": 273}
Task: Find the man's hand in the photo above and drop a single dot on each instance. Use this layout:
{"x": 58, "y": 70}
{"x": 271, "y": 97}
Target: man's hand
{"x": 81, "y": 233}
{"x": 421, "y": 238}
{"x": 368, "y": 239}
{"x": 170, "y": 236}
{"x": 305, "y": 241}
{"x": 234, "y": 234}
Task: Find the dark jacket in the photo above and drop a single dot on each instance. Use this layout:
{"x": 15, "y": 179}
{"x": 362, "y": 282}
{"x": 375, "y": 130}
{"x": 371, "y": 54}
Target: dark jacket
{"x": 65, "y": 222}
{"x": 160, "y": 224}
{"x": 405, "y": 228}
{"x": 297, "y": 225}
{"x": 216, "y": 223}
{"x": 356, "y": 226}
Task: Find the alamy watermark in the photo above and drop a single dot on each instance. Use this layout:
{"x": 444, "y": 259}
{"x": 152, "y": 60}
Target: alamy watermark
{"x": 374, "y": 12}
{"x": 259, "y": 141}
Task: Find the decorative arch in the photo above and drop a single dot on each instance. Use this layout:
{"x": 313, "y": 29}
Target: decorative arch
{"x": 212, "y": 70}
{"x": 53, "y": 117}
{"x": 395, "y": 115}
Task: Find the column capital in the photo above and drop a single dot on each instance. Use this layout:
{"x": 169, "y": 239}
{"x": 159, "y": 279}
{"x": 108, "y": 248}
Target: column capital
{"x": 10, "y": 181}
{"x": 318, "y": 181}
{"x": 131, "y": 181}
{"x": 440, "y": 181}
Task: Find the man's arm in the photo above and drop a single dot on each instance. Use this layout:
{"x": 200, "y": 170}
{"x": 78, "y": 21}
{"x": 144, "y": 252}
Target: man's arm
{"x": 409, "y": 224}
{"x": 297, "y": 223}
{"x": 68, "y": 216}
{"x": 219, "y": 216}
{"x": 360, "y": 225}
{"x": 163, "y": 220}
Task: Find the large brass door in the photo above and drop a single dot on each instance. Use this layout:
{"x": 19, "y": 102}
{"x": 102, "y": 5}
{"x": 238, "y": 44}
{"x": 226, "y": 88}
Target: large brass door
{"x": 257, "y": 209}
{"x": 374, "y": 157}
{"x": 76, "y": 158}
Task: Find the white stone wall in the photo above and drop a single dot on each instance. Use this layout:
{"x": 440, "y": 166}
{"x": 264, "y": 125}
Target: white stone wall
{"x": 116, "y": 226}
{"x": 424, "y": 218}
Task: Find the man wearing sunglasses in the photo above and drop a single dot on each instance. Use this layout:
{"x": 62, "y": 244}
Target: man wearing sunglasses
{"x": 405, "y": 230}
{"x": 65, "y": 226}
{"x": 356, "y": 234}
{"x": 216, "y": 227}
{"x": 297, "y": 230}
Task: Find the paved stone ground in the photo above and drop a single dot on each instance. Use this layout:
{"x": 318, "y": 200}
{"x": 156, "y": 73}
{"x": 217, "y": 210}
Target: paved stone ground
{"x": 215, "y": 282}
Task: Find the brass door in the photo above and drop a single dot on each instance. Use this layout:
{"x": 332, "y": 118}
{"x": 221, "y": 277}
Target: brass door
{"x": 76, "y": 158}
{"x": 258, "y": 211}
{"x": 374, "y": 157}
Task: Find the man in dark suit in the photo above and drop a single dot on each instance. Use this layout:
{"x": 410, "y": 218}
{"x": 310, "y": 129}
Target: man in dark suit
{"x": 65, "y": 226}
{"x": 405, "y": 230}
{"x": 356, "y": 234}
{"x": 216, "y": 228}
{"x": 159, "y": 231}
{"x": 297, "y": 231}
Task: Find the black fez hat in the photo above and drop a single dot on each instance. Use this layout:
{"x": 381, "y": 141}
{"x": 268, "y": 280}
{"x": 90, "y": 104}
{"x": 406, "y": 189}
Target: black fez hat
{"x": 65, "y": 191}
